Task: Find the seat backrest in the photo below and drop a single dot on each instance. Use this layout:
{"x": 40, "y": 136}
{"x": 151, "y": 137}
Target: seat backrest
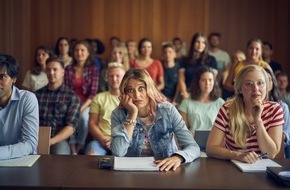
{"x": 201, "y": 136}
{"x": 43, "y": 140}
{"x": 281, "y": 152}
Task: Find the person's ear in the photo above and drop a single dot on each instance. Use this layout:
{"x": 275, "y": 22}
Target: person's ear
{"x": 14, "y": 80}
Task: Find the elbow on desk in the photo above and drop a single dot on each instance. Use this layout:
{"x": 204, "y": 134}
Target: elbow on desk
{"x": 209, "y": 151}
{"x": 273, "y": 155}
{"x": 117, "y": 154}
{"x": 117, "y": 151}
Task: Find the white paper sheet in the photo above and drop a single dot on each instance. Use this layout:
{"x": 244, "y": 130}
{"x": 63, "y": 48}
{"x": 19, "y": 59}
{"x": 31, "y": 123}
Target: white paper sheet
{"x": 135, "y": 164}
{"x": 258, "y": 166}
{"x": 26, "y": 161}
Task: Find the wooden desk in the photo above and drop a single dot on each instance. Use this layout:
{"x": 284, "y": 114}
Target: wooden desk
{"x": 49, "y": 172}
{"x": 81, "y": 172}
{"x": 204, "y": 173}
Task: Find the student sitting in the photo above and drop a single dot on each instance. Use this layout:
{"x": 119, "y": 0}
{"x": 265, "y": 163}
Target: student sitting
{"x": 247, "y": 125}
{"x": 100, "y": 112}
{"x": 170, "y": 72}
{"x": 59, "y": 107}
{"x": 200, "y": 110}
{"x": 18, "y": 114}
{"x": 145, "y": 124}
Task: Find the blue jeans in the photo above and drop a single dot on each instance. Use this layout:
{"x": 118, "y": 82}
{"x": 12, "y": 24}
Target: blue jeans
{"x": 60, "y": 148}
{"x": 96, "y": 147}
{"x": 81, "y": 132}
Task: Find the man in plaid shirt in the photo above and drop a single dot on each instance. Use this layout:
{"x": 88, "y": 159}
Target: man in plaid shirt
{"x": 59, "y": 107}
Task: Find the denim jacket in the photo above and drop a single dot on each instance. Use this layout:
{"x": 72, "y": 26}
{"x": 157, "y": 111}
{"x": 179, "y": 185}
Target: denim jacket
{"x": 168, "y": 123}
{"x": 286, "y": 125}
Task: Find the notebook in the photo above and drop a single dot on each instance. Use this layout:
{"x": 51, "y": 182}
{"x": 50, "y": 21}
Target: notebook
{"x": 258, "y": 166}
{"x": 280, "y": 175}
{"x": 201, "y": 138}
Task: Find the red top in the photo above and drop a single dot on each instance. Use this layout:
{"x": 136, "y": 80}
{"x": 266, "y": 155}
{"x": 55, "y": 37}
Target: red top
{"x": 155, "y": 69}
{"x": 79, "y": 89}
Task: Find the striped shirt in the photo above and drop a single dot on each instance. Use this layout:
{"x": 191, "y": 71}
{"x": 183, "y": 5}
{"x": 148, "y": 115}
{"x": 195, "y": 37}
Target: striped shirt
{"x": 272, "y": 116}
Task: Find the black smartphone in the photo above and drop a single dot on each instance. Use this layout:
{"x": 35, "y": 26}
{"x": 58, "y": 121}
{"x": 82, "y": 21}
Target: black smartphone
{"x": 105, "y": 163}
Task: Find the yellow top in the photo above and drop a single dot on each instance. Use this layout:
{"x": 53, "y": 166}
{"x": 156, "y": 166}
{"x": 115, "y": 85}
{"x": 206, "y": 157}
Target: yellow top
{"x": 242, "y": 64}
{"x": 103, "y": 104}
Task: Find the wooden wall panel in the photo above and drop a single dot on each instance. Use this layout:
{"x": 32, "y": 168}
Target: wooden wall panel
{"x": 26, "y": 24}
{"x": 15, "y": 25}
{"x": 244, "y": 20}
{"x": 5, "y": 40}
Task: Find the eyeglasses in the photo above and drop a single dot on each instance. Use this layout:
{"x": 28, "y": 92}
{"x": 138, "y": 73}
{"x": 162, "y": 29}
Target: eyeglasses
{"x": 251, "y": 84}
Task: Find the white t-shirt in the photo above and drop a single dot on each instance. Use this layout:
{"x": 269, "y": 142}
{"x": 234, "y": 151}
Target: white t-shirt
{"x": 222, "y": 59}
{"x": 35, "y": 82}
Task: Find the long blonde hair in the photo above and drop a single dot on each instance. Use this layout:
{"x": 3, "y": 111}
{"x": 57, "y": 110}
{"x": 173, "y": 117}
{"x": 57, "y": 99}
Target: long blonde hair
{"x": 142, "y": 75}
{"x": 238, "y": 123}
{"x": 135, "y": 54}
{"x": 125, "y": 57}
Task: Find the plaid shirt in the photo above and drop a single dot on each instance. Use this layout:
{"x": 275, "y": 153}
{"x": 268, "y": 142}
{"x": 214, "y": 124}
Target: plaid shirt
{"x": 90, "y": 80}
{"x": 58, "y": 108}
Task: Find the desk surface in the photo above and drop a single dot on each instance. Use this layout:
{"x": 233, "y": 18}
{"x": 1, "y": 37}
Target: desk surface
{"x": 81, "y": 172}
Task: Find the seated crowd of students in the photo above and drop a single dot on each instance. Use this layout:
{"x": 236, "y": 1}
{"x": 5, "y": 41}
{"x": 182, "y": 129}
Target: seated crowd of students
{"x": 136, "y": 105}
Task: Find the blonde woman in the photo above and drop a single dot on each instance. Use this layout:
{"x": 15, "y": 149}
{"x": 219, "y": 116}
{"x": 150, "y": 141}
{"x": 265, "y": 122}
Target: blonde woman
{"x": 237, "y": 57}
{"x": 145, "y": 124}
{"x": 253, "y": 56}
{"x": 132, "y": 49}
{"x": 247, "y": 125}
{"x": 119, "y": 54}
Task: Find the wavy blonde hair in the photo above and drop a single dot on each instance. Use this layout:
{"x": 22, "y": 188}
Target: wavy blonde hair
{"x": 125, "y": 57}
{"x": 142, "y": 75}
{"x": 238, "y": 123}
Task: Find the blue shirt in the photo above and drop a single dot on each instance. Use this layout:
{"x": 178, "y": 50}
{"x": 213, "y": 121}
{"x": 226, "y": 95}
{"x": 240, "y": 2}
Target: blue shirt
{"x": 168, "y": 123}
{"x": 286, "y": 126}
{"x": 19, "y": 125}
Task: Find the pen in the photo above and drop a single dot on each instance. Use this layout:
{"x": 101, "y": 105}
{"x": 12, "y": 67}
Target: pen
{"x": 263, "y": 155}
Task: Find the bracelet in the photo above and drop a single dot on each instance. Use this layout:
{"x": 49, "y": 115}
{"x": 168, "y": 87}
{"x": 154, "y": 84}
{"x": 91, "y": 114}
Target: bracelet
{"x": 130, "y": 122}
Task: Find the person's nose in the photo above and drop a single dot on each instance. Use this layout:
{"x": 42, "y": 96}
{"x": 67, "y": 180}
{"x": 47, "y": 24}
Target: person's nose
{"x": 136, "y": 94}
{"x": 115, "y": 78}
{"x": 50, "y": 72}
{"x": 255, "y": 87}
